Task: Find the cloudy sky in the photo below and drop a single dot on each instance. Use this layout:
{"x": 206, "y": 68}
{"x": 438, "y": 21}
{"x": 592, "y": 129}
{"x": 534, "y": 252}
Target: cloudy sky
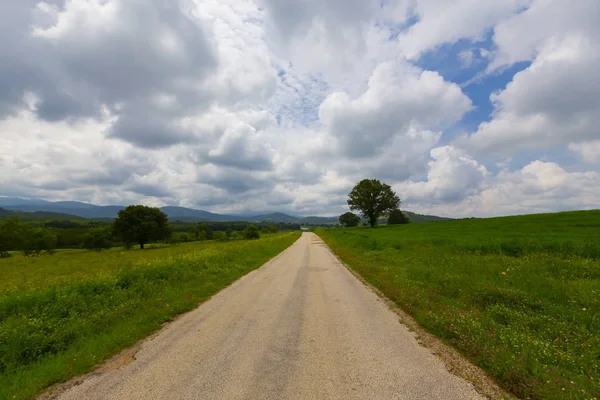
{"x": 465, "y": 107}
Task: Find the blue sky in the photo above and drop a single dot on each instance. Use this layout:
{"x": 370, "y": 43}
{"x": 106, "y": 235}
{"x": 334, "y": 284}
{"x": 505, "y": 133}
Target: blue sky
{"x": 256, "y": 106}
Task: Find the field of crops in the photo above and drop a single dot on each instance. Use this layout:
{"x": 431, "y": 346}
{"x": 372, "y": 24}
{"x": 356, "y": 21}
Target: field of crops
{"x": 63, "y": 314}
{"x": 519, "y": 296}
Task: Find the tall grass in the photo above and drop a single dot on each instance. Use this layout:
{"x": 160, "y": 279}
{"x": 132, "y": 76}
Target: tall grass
{"x": 519, "y": 296}
{"x": 61, "y": 316}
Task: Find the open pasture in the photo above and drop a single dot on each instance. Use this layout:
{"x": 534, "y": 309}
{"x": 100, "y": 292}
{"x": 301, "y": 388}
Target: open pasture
{"x": 519, "y": 296}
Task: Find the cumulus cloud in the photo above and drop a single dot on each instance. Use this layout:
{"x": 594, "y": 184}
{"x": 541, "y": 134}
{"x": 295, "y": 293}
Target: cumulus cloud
{"x": 537, "y": 187}
{"x": 440, "y": 22}
{"x": 521, "y": 36}
{"x": 317, "y": 34}
{"x": 396, "y": 102}
{"x": 553, "y": 102}
{"x": 588, "y": 151}
{"x": 453, "y": 175}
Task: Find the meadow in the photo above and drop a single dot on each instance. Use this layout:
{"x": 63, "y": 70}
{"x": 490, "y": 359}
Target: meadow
{"x": 518, "y": 296}
{"x": 62, "y": 315}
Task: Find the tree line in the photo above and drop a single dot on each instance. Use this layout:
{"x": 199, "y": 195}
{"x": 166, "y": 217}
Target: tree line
{"x": 136, "y": 225}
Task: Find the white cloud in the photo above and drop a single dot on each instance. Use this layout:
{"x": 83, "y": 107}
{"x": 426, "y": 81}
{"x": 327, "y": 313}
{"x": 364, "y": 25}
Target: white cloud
{"x": 553, "y": 102}
{"x": 537, "y": 187}
{"x": 316, "y": 34}
{"x": 242, "y": 105}
{"x": 453, "y": 175}
{"x": 523, "y": 35}
{"x": 398, "y": 99}
{"x": 440, "y": 22}
{"x": 588, "y": 151}
{"x": 466, "y": 57}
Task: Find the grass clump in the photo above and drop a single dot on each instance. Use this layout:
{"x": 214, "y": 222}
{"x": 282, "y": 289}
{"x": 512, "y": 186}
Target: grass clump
{"x": 519, "y": 296}
{"x": 61, "y": 316}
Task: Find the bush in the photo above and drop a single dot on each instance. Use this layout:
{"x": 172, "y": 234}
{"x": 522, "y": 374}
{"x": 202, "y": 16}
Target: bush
{"x": 99, "y": 239}
{"x": 179, "y": 237}
{"x": 273, "y": 229}
{"x": 219, "y": 235}
{"x": 12, "y": 236}
{"x": 349, "y": 220}
{"x": 39, "y": 241}
{"x": 251, "y": 232}
{"x": 201, "y": 235}
{"x": 234, "y": 235}
{"x": 397, "y": 217}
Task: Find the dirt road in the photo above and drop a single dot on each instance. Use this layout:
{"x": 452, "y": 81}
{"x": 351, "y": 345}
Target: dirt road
{"x": 300, "y": 327}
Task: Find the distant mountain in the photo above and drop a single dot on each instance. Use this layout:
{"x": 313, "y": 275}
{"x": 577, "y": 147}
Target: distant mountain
{"x": 84, "y": 210}
{"x": 318, "y": 220}
{"x": 191, "y": 215}
{"x": 79, "y": 210}
{"x": 274, "y": 218}
{"x": 8, "y": 201}
{"x": 37, "y": 215}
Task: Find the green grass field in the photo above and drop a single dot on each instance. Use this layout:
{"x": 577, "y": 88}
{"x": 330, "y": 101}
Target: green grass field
{"x": 519, "y": 296}
{"x": 62, "y": 315}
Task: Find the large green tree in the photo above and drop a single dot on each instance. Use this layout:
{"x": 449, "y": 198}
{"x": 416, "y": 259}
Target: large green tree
{"x": 141, "y": 225}
{"x": 251, "y": 232}
{"x": 373, "y": 199}
{"x": 349, "y": 219}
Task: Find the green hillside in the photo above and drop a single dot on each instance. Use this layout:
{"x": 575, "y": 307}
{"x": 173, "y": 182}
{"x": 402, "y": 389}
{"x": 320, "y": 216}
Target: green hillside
{"x": 418, "y": 218}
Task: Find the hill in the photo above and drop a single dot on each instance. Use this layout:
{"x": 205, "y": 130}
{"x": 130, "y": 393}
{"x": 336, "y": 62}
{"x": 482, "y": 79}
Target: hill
{"x": 418, "y": 218}
{"x": 8, "y": 201}
{"x": 191, "y": 215}
{"x": 38, "y": 215}
{"x": 313, "y": 220}
{"x": 274, "y": 218}
{"x": 79, "y": 210}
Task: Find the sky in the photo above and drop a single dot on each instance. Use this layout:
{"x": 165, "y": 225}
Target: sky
{"x": 466, "y": 108}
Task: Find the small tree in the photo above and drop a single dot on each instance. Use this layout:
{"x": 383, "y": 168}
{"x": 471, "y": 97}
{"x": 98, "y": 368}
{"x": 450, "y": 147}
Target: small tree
{"x": 99, "y": 239}
{"x": 12, "y": 236}
{"x": 141, "y": 225}
{"x": 178, "y": 237}
{"x": 201, "y": 231}
{"x": 349, "y": 219}
{"x": 39, "y": 241}
{"x": 251, "y": 232}
{"x": 273, "y": 229}
{"x": 372, "y": 198}
{"x": 397, "y": 217}
{"x": 219, "y": 235}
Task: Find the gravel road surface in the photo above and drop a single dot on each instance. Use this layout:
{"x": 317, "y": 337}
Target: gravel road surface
{"x": 300, "y": 327}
